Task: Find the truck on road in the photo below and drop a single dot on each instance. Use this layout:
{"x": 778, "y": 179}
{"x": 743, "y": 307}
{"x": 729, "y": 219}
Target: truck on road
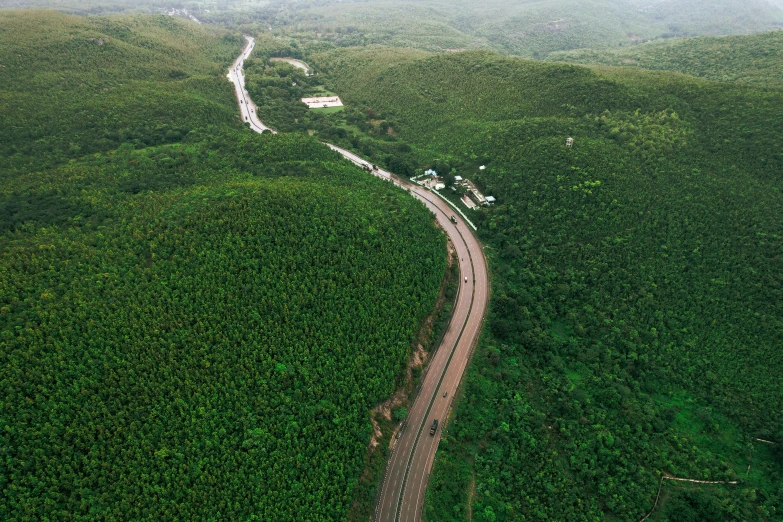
{"x": 434, "y": 427}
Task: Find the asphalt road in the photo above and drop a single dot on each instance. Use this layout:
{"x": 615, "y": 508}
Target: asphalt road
{"x": 236, "y": 76}
{"x": 401, "y": 495}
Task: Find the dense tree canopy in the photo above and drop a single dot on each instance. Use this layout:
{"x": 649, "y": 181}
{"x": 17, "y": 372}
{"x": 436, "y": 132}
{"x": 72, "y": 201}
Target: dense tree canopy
{"x": 636, "y": 316}
{"x": 71, "y": 86}
{"x": 752, "y": 59}
{"x": 195, "y": 320}
{"x": 208, "y": 347}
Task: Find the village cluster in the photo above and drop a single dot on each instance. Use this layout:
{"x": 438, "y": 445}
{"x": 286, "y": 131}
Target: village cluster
{"x": 472, "y": 197}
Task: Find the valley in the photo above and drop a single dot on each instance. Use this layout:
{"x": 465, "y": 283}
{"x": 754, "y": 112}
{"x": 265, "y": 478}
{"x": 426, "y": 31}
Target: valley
{"x": 201, "y": 322}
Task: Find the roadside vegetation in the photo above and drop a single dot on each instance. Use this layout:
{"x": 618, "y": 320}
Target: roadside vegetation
{"x": 636, "y": 310}
{"x": 277, "y": 88}
{"x": 196, "y": 321}
{"x": 192, "y": 327}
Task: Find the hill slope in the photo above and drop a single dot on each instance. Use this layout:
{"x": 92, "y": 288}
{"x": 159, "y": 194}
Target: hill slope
{"x": 533, "y": 28}
{"x": 530, "y": 28}
{"x": 754, "y": 59}
{"x": 636, "y": 313}
{"x": 72, "y": 86}
{"x": 195, "y": 324}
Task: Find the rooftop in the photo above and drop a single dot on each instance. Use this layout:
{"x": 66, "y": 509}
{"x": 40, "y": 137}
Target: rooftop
{"x": 323, "y": 101}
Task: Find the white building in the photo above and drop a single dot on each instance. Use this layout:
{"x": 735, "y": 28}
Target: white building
{"x": 323, "y": 101}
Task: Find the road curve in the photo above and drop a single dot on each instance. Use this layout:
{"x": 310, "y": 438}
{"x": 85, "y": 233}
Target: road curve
{"x": 401, "y": 495}
{"x": 236, "y": 76}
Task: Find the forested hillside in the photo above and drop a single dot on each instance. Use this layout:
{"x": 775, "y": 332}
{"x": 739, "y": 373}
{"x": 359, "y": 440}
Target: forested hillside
{"x": 72, "y": 86}
{"x": 637, "y": 311}
{"x": 753, "y": 59}
{"x": 195, "y": 320}
{"x": 529, "y": 28}
{"x": 198, "y": 331}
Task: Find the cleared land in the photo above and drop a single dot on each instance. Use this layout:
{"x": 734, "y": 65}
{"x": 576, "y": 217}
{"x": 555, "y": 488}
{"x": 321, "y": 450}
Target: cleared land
{"x": 296, "y": 63}
{"x": 323, "y": 102}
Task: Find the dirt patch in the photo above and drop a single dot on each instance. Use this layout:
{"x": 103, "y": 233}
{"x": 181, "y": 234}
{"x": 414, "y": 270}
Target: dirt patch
{"x": 556, "y": 28}
{"x": 376, "y": 433}
{"x": 400, "y": 398}
{"x": 416, "y": 361}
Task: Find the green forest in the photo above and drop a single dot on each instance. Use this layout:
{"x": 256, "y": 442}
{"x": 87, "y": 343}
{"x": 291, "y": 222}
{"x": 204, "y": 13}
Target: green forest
{"x": 194, "y": 323}
{"x": 72, "y": 86}
{"x": 195, "y": 320}
{"x": 532, "y": 29}
{"x": 750, "y": 59}
{"x": 636, "y": 315}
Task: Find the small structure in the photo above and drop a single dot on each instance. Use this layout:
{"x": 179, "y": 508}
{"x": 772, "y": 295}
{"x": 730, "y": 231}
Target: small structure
{"x": 434, "y": 182}
{"x": 323, "y": 101}
{"x": 490, "y": 200}
{"x": 482, "y": 167}
{"x": 468, "y": 202}
{"x": 475, "y": 194}
{"x": 569, "y": 143}
{"x": 430, "y": 172}
{"x": 458, "y": 180}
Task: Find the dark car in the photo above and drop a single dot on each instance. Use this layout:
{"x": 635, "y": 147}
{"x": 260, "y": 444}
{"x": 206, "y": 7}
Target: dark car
{"x": 434, "y": 427}
{"x": 454, "y": 219}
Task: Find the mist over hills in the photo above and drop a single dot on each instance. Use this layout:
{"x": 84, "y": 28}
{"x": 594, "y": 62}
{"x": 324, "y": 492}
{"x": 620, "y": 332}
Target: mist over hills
{"x": 530, "y": 28}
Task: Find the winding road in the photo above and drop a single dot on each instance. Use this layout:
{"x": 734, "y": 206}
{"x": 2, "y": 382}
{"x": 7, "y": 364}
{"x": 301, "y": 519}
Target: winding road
{"x": 401, "y": 495}
{"x": 236, "y": 76}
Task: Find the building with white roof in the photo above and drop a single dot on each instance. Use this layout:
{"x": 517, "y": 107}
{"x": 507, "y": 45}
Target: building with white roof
{"x": 323, "y": 101}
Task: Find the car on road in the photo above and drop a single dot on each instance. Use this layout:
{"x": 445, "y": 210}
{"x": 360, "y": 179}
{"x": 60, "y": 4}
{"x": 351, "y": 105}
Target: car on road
{"x": 466, "y": 279}
{"x": 434, "y": 427}
{"x": 453, "y": 219}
